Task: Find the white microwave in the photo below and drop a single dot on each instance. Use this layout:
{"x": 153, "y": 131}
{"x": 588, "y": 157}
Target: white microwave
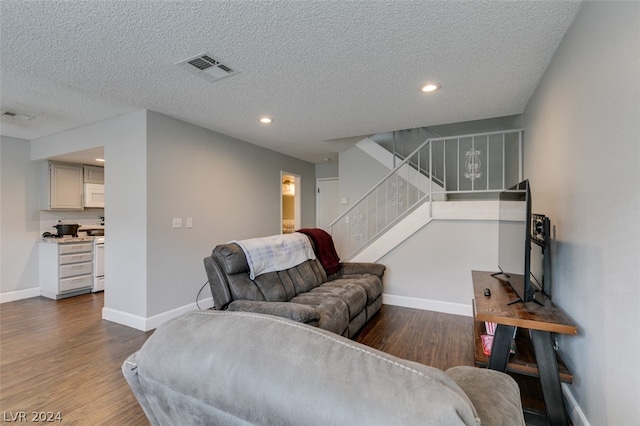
{"x": 94, "y": 195}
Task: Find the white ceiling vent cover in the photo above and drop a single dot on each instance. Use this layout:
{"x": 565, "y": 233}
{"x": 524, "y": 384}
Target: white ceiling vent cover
{"x": 15, "y": 116}
{"x": 207, "y": 67}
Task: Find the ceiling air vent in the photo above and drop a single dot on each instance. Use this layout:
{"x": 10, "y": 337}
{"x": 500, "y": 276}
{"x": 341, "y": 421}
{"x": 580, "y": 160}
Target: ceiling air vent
{"x": 15, "y": 116}
{"x": 207, "y": 67}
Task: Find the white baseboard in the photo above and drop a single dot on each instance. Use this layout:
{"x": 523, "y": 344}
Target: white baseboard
{"x": 124, "y": 318}
{"x": 150, "y": 323}
{"x": 428, "y": 305}
{"x": 11, "y": 296}
{"x": 574, "y": 411}
{"x": 156, "y": 320}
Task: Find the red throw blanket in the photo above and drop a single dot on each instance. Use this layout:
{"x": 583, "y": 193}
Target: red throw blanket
{"x": 325, "y": 250}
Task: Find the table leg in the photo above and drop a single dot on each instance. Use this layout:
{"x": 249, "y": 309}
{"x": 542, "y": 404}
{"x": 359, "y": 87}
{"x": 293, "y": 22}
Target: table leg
{"x": 501, "y": 346}
{"x": 549, "y": 378}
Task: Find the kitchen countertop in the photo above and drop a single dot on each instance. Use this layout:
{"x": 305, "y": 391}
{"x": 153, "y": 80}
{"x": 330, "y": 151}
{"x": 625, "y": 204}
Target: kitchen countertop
{"x": 69, "y": 239}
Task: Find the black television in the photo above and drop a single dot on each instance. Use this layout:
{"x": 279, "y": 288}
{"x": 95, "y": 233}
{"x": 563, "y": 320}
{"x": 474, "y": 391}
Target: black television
{"x": 514, "y": 242}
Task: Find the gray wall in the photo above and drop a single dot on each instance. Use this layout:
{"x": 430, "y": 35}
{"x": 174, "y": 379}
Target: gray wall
{"x": 124, "y": 139}
{"x": 435, "y": 264}
{"x": 229, "y": 187}
{"x": 359, "y": 172}
{"x": 327, "y": 170}
{"x": 18, "y": 217}
{"x": 582, "y": 153}
{"x": 478, "y": 126}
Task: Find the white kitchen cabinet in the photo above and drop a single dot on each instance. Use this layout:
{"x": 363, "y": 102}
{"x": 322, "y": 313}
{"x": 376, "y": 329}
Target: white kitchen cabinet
{"x": 61, "y": 186}
{"x": 94, "y": 195}
{"x": 93, "y": 174}
{"x": 66, "y": 268}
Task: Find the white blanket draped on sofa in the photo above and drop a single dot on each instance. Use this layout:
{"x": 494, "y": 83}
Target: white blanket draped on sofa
{"x": 276, "y": 253}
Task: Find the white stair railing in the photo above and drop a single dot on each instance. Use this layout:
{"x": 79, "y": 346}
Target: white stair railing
{"x": 454, "y": 166}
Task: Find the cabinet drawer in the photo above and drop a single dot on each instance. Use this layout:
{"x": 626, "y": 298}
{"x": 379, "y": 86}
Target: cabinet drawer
{"x": 76, "y": 269}
{"x": 66, "y": 259}
{"x": 76, "y": 248}
{"x": 75, "y": 283}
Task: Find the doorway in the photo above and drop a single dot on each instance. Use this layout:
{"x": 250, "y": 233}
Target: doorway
{"x": 327, "y": 202}
{"x": 290, "y": 202}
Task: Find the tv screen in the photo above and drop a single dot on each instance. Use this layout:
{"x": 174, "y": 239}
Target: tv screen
{"x": 514, "y": 239}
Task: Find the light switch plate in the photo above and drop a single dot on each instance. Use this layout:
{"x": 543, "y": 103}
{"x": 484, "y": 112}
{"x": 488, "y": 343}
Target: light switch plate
{"x": 189, "y": 222}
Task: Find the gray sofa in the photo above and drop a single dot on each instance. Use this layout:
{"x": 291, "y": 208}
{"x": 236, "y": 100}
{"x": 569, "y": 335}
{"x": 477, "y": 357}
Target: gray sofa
{"x": 341, "y": 302}
{"x": 234, "y": 368}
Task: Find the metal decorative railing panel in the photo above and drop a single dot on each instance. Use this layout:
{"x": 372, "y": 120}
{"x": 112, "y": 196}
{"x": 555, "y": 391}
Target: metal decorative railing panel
{"x": 450, "y": 167}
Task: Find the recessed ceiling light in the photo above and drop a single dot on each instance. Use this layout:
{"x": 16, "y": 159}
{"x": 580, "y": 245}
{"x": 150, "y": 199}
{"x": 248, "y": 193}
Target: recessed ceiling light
{"x": 101, "y": 160}
{"x": 430, "y": 87}
{"x": 266, "y": 120}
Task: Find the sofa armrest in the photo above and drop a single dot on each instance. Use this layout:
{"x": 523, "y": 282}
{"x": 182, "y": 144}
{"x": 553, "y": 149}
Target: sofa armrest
{"x": 217, "y": 283}
{"x": 293, "y": 311}
{"x": 130, "y": 371}
{"x": 357, "y": 268}
{"x": 495, "y": 395}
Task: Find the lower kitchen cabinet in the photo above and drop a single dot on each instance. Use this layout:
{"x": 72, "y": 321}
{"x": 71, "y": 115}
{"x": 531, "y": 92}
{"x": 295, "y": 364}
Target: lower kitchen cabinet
{"x": 66, "y": 268}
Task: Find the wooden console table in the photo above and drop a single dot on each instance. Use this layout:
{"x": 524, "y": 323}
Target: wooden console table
{"x": 541, "y": 321}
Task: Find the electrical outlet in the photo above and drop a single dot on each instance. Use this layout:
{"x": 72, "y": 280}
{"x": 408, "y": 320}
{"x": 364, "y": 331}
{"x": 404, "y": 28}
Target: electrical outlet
{"x": 177, "y": 222}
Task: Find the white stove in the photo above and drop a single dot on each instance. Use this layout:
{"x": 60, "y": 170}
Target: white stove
{"x": 98, "y": 264}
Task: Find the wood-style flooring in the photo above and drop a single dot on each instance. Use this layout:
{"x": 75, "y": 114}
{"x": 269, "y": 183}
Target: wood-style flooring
{"x": 61, "y": 357}
{"x": 432, "y": 338}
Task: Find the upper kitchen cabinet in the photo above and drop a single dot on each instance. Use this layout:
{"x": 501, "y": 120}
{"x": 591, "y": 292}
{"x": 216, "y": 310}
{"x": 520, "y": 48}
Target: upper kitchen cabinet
{"x": 61, "y": 186}
{"x": 93, "y": 186}
{"x": 93, "y": 174}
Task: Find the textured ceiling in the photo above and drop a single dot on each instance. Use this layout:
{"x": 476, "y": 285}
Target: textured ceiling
{"x": 326, "y": 71}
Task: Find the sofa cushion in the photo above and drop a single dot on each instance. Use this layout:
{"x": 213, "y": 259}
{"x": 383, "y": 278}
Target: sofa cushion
{"x": 333, "y": 311}
{"x": 293, "y": 311}
{"x": 242, "y": 287}
{"x": 371, "y": 284}
{"x": 232, "y": 257}
{"x": 306, "y": 276}
{"x": 281, "y": 286}
{"x": 351, "y": 294}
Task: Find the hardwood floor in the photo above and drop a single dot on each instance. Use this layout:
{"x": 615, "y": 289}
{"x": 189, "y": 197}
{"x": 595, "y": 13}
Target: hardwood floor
{"x": 431, "y": 338}
{"x": 60, "y": 356}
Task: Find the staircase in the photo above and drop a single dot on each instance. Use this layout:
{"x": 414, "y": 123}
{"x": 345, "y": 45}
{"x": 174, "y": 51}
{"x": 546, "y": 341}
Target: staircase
{"x": 440, "y": 169}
